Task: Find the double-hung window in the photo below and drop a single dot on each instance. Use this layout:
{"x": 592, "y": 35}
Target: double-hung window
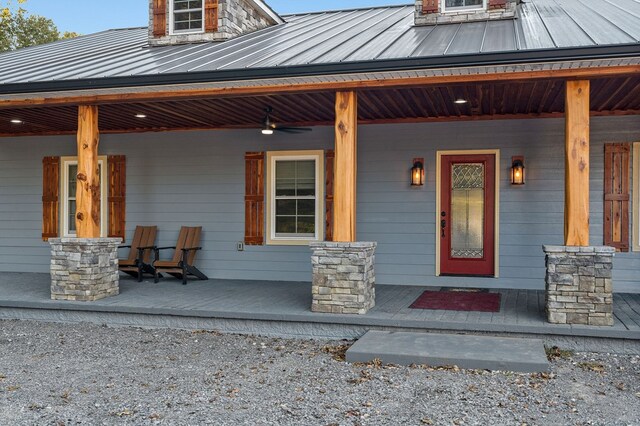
{"x": 459, "y": 5}
{"x": 187, "y": 16}
{"x": 68, "y": 201}
{"x": 295, "y": 197}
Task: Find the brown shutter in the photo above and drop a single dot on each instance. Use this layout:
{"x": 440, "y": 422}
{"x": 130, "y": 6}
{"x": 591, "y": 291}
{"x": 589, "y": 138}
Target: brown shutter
{"x": 254, "y": 198}
{"x": 50, "y": 197}
{"x": 211, "y": 16}
{"x": 116, "y": 195}
{"x": 159, "y": 18}
{"x": 616, "y": 195}
{"x": 328, "y": 166}
{"x": 496, "y": 4}
{"x": 430, "y": 6}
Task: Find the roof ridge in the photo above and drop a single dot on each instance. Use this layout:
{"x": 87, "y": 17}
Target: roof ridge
{"x": 353, "y": 9}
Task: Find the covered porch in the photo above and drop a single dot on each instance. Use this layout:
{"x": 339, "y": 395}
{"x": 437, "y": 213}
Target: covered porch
{"x": 282, "y": 309}
{"x": 542, "y": 111}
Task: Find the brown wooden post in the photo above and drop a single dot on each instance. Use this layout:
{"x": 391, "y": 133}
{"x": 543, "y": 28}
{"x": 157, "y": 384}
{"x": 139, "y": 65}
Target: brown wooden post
{"x": 344, "y": 204}
{"x": 576, "y": 207}
{"x": 88, "y": 191}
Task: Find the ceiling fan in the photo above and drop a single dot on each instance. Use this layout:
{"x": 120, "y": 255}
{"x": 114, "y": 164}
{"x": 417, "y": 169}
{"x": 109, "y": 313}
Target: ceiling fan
{"x": 269, "y": 126}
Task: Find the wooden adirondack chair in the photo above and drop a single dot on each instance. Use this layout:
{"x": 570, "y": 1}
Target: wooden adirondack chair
{"x": 183, "y": 258}
{"x": 139, "y": 260}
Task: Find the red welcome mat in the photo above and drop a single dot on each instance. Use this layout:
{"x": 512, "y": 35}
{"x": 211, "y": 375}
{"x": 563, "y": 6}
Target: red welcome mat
{"x": 458, "y": 301}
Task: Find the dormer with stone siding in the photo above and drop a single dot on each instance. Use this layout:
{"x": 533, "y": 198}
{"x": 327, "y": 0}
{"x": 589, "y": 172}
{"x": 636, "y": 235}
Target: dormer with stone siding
{"x": 196, "y": 21}
{"x": 430, "y": 12}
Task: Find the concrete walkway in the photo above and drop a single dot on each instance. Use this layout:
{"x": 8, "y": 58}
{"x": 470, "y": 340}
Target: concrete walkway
{"x": 283, "y": 308}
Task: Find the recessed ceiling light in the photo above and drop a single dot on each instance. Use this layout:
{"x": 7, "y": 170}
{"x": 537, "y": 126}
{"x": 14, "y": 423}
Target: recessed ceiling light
{"x": 460, "y": 101}
{"x": 16, "y": 121}
{"x": 141, "y": 116}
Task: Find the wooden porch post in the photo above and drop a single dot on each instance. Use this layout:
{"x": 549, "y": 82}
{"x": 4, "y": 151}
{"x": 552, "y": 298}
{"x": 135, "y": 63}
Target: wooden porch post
{"x": 576, "y": 207}
{"x": 88, "y": 188}
{"x": 344, "y": 222}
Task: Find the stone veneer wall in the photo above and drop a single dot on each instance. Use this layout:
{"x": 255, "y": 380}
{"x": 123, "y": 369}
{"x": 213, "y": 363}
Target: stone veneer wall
{"x": 84, "y": 269}
{"x": 235, "y": 17}
{"x": 579, "y": 285}
{"x": 493, "y": 12}
{"x": 343, "y": 277}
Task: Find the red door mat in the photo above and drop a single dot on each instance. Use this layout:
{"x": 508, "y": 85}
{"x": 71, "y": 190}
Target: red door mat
{"x": 458, "y": 301}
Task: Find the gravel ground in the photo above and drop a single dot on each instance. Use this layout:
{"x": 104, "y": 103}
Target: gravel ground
{"x": 60, "y": 374}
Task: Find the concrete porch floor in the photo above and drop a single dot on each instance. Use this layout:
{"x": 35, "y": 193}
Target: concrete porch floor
{"x": 283, "y": 309}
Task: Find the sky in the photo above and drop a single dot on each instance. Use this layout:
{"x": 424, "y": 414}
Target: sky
{"x": 90, "y": 16}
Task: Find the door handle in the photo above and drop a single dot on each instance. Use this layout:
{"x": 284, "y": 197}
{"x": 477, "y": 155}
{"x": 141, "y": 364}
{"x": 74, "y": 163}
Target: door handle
{"x": 443, "y": 223}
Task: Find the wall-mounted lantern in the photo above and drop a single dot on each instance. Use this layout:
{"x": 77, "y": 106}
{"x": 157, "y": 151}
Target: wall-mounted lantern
{"x": 417, "y": 172}
{"x": 517, "y": 170}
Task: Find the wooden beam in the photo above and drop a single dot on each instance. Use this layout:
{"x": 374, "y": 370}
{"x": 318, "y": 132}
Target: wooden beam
{"x": 345, "y": 171}
{"x": 576, "y": 207}
{"x": 88, "y": 188}
{"x": 161, "y": 93}
{"x": 361, "y": 122}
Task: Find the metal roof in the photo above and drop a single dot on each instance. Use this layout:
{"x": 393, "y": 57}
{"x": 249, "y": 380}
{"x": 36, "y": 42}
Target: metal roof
{"x": 361, "y": 38}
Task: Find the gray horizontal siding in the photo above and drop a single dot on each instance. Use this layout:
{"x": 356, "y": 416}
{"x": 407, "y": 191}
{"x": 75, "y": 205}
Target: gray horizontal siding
{"x": 197, "y": 178}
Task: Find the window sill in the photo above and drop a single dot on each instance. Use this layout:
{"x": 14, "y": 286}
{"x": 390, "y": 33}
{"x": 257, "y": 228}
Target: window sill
{"x": 285, "y": 242}
{"x": 179, "y": 33}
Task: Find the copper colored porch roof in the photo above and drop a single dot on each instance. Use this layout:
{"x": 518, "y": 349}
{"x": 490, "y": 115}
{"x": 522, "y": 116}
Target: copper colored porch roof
{"x": 312, "y": 44}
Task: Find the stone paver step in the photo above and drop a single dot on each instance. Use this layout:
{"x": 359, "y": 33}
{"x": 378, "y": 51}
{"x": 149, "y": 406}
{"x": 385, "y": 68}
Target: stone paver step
{"x": 465, "y": 351}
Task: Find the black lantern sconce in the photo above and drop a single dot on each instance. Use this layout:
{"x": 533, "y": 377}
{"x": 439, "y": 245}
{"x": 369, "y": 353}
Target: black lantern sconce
{"x": 417, "y": 172}
{"x": 517, "y": 170}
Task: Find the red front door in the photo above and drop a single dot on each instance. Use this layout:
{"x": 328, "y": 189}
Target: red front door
{"x": 467, "y": 216}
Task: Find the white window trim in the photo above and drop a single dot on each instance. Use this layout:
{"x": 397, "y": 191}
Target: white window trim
{"x": 635, "y": 207}
{"x": 172, "y": 30}
{"x": 272, "y": 157}
{"x": 64, "y": 191}
{"x": 463, "y": 8}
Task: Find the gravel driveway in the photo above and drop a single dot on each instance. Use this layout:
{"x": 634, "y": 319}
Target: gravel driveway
{"x": 58, "y": 374}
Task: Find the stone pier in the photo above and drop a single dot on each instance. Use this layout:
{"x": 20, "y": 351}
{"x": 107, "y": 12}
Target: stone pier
{"x": 579, "y": 285}
{"x": 84, "y": 269}
{"x": 343, "y": 277}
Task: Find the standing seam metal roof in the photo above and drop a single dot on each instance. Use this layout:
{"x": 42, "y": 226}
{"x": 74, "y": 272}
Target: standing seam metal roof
{"x": 373, "y": 34}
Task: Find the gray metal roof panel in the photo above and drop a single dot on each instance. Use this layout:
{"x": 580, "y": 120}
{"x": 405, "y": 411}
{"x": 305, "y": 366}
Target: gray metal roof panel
{"x": 348, "y": 36}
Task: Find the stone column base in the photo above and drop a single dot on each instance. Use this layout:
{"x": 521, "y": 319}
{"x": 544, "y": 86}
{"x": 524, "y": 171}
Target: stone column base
{"x": 579, "y": 285}
{"x": 343, "y": 277}
{"x": 84, "y": 269}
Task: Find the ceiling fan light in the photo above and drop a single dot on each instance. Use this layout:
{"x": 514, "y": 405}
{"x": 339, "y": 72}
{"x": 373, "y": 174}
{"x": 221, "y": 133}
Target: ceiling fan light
{"x": 460, "y": 101}
{"x": 267, "y": 131}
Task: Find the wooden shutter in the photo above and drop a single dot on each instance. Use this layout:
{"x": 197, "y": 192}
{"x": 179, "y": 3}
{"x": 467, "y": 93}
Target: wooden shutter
{"x": 159, "y": 18}
{"x": 211, "y": 16}
{"x": 50, "y": 197}
{"x": 328, "y": 203}
{"x": 254, "y": 198}
{"x": 116, "y": 195}
{"x": 616, "y": 195}
{"x": 430, "y": 6}
{"x": 495, "y": 4}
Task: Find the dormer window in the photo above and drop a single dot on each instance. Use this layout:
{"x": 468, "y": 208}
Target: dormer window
{"x": 463, "y": 5}
{"x": 187, "y": 16}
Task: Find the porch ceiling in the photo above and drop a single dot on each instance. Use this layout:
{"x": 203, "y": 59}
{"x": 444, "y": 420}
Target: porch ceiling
{"x": 496, "y": 100}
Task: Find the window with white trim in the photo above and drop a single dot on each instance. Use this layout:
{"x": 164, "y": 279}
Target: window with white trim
{"x": 68, "y": 199}
{"x": 459, "y": 5}
{"x": 635, "y": 204}
{"x": 187, "y": 16}
{"x": 295, "y": 195}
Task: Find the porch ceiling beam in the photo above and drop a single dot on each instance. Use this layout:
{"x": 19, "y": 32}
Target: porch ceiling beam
{"x": 345, "y": 167}
{"x": 576, "y": 207}
{"x": 361, "y": 122}
{"x": 303, "y": 85}
{"x": 88, "y": 178}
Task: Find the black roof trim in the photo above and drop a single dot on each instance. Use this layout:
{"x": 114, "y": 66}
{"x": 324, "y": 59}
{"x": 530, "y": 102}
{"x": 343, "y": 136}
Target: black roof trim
{"x": 371, "y": 66}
